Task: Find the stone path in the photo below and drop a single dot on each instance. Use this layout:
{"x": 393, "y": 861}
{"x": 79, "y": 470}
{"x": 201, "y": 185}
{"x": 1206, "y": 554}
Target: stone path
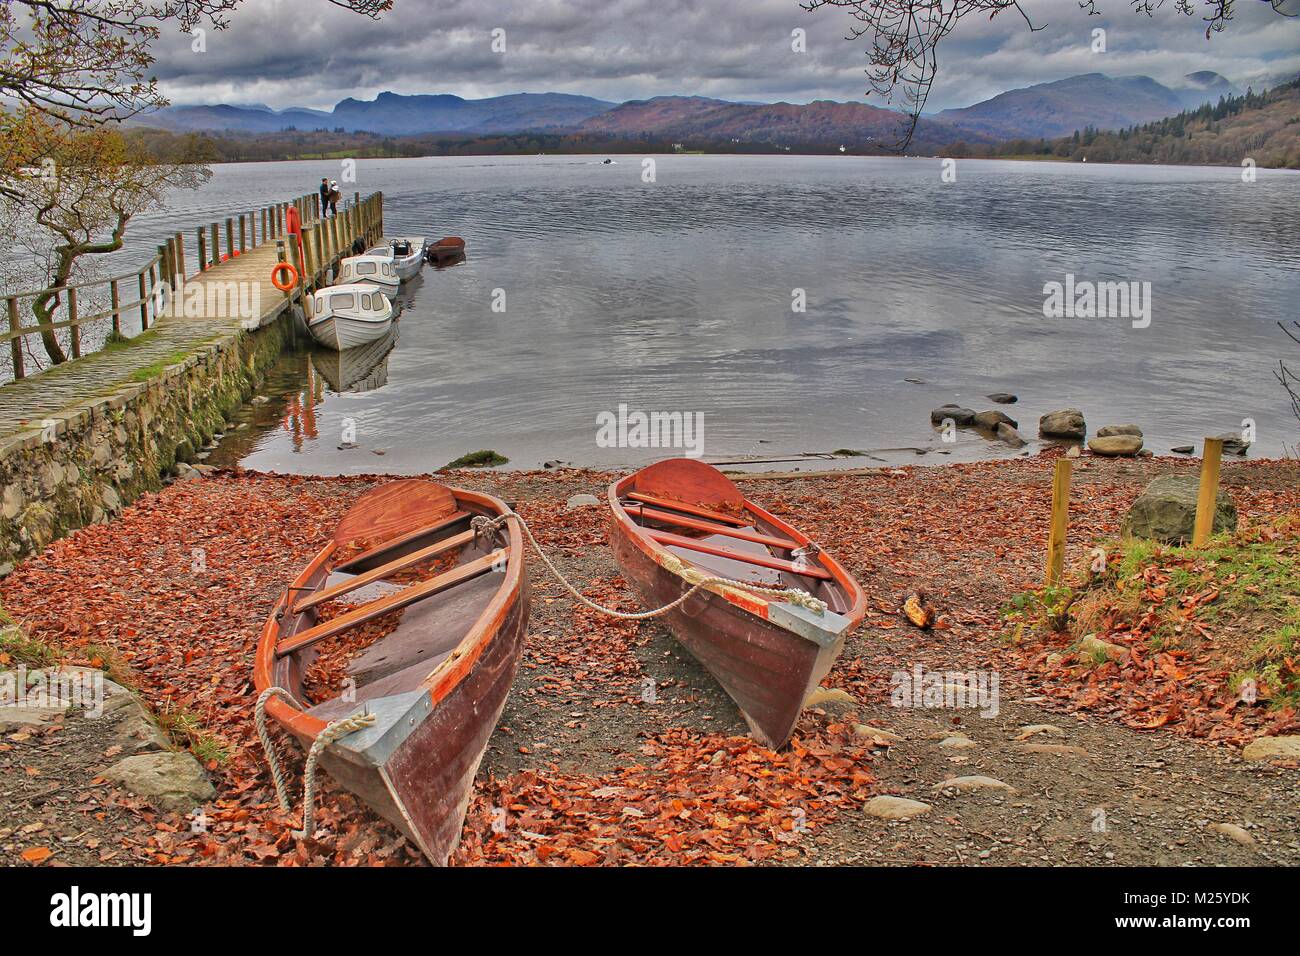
{"x": 27, "y": 402}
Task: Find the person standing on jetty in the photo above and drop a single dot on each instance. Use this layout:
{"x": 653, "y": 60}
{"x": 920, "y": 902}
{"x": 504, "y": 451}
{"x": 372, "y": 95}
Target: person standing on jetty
{"x": 324, "y": 196}
{"x": 335, "y": 196}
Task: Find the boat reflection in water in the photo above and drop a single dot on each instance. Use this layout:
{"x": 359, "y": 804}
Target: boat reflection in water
{"x": 360, "y": 369}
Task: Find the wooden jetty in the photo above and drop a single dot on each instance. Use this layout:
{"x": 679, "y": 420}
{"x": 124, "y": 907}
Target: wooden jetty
{"x": 242, "y": 249}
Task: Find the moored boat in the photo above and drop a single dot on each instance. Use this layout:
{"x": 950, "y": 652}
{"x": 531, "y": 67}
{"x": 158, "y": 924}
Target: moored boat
{"x": 418, "y": 613}
{"x": 372, "y": 266}
{"x": 681, "y": 520}
{"x": 347, "y": 316}
{"x": 446, "y": 249}
{"x": 408, "y": 255}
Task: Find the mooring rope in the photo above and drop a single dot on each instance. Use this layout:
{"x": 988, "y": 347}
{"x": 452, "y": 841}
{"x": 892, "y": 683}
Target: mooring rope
{"x": 482, "y": 524}
{"x": 332, "y": 732}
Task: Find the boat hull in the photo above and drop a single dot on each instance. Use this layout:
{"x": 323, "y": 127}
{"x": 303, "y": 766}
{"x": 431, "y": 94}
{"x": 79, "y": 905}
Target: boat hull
{"x": 767, "y": 670}
{"x": 341, "y": 332}
{"x": 423, "y": 785}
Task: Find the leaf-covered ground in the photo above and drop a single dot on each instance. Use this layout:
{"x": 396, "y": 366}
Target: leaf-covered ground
{"x": 586, "y": 767}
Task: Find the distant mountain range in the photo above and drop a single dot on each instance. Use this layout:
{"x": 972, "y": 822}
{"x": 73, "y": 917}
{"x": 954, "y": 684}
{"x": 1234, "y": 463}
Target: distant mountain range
{"x": 1092, "y": 99}
{"x": 1045, "y": 110}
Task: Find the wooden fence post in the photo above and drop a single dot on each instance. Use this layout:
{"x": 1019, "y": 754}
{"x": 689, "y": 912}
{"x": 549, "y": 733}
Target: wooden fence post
{"x": 115, "y": 297}
{"x": 180, "y": 257}
{"x": 144, "y": 303}
{"x": 203, "y": 250}
{"x": 215, "y": 234}
{"x": 243, "y": 234}
{"x": 1208, "y": 498}
{"x": 74, "y": 329}
{"x": 1060, "y": 521}
{"x": 16, "y": 344}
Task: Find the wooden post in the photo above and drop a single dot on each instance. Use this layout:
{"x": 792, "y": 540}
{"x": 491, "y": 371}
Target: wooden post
{"x": 16, "y": 344}
{"x": 116, "y": 297}
{"x": 153, "y": 284}
{"x": 144, "y": 303}
{"x": 308, "y": 270}
{"x": 216, "y": 243}
{"x": 1208, "y": 498}
{"x": 74, "y": 328}
{"x": 180, "y": 257}
{"x": 203, "y": 250}
{"x": 230, "y": 236}
{"x": 243, "y": 234}
{"x": 1060, "y": 521}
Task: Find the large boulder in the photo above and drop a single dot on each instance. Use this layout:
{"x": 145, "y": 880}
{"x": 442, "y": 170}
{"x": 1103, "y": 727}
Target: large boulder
{"x": 171, "y": 781}
{"x": 992, "y": 419}
{"x": 959, "y": 415}
{"x": 1116, "y": 445}
{"x": 1065, "y": 423}
{"x": 1166, "y": 510}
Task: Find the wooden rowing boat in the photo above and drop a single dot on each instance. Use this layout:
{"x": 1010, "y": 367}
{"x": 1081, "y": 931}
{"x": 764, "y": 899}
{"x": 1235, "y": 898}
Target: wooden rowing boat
{"x": 681, "y": 519}
{"x": 450, "y": 605}
{"x": 446, "y": 249}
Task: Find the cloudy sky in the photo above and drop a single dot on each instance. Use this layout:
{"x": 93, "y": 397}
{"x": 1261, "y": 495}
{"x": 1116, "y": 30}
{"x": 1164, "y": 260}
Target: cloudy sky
{"x": 310, "y": 53}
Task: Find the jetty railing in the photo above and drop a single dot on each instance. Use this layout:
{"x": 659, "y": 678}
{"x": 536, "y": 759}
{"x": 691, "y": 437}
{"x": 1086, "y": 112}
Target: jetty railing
{"x": 97, "y": 300}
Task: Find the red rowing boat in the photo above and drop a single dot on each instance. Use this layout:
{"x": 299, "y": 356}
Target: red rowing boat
{"x": 680, "y": 520}
{"x": 446, "y": 249}
{"x": 414, "y": 613}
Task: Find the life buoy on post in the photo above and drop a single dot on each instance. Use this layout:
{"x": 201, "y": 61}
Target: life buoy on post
{"x": 280, "y": 269}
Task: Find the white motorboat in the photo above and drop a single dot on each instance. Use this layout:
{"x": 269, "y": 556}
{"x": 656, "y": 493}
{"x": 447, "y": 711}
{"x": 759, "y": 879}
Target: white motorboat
{"x": 345, "y": 316}
{"x": 408, "y": 255}
{"x": 373, "y": 266}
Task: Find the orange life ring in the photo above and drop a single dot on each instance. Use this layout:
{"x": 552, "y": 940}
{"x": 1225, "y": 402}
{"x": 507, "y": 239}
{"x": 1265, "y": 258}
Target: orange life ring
{"x": 290, "y": 282}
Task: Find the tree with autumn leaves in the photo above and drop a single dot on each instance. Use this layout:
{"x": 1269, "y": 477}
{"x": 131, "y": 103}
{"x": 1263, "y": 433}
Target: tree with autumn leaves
{"x": 70, "y": 179}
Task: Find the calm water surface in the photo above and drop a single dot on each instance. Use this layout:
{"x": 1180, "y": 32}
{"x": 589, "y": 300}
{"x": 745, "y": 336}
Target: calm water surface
{"x": 676, "y": 295}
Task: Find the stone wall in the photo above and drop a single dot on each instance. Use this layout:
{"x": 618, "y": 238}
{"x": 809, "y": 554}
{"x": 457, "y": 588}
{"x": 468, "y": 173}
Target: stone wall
{"x": 82, "y": 465}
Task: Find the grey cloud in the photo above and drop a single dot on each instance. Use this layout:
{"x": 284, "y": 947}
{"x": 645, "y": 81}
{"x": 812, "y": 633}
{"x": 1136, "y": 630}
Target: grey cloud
{"x": 308, "y": 52}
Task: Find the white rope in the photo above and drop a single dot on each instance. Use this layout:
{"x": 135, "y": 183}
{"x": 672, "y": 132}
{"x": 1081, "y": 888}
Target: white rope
{"x": 699, "y": 580}
{"x": 332, "y": 732}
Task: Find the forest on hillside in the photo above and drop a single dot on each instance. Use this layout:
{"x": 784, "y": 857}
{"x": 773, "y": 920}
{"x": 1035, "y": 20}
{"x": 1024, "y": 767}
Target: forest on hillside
{"x": 1264, "y": 127}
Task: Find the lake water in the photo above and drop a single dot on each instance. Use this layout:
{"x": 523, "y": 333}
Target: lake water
{"x": 677, "y": 295}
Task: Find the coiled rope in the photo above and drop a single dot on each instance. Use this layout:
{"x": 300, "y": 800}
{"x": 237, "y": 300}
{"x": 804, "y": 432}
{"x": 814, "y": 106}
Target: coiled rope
{"x": 332, "y": 732}
{"x": 481, "y": 524}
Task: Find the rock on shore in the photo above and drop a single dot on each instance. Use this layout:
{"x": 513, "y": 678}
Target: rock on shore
{"x": 1116, "y": 445}
{"x": 1064, "y": 423}
{"x": 1166, "y": 510}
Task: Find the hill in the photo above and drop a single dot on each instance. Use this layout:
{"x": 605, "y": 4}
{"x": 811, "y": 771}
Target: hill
{"x": 1262, "y": 126}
